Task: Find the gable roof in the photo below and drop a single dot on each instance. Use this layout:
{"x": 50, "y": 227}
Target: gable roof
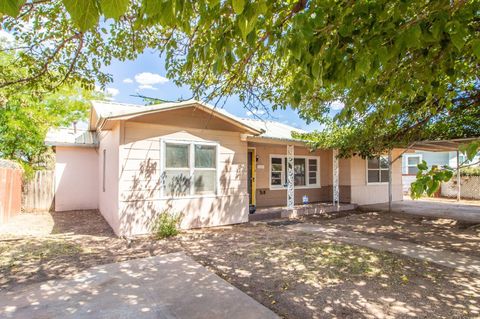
{"x": 110, "y": 111}
{"x": 103, "y": 112}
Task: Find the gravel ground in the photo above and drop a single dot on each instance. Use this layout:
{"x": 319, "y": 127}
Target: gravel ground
{"x": 295, "y": 275}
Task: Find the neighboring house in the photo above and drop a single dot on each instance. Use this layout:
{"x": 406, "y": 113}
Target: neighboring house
{"x": 412, "y": 159}
{"x": 136, "y": 161}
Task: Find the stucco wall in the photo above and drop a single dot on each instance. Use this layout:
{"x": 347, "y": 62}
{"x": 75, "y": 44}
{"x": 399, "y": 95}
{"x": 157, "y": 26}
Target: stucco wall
{"x": 108, "y": 196}
{"x": 76, "y": 178}
{"x": 140, "y": 185}
{"x": 363, "y": 193}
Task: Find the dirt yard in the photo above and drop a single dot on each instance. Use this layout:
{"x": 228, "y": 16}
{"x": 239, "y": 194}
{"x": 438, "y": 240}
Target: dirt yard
{"x": 296, "y": 275}
{"x": 444, "y": 234}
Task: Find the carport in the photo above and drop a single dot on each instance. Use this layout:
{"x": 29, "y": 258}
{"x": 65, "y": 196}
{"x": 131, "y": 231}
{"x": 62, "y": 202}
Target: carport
{"x": 432, "y": 146}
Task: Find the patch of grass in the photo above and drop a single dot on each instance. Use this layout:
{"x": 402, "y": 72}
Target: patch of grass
{"x": 27, "y": 252}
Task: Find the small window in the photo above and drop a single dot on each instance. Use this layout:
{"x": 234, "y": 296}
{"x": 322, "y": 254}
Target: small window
{"x": 377, "y": 170}
{"x": 276, "y": 177}
{"x": 312, "y": 171}
{"x": 412, "y": 162}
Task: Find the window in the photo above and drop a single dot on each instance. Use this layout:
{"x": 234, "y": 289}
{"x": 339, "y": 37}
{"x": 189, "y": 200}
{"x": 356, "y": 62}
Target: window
{"x": 377, "y": 170}
{"x": 190, "y": 169}
{"x": 277, "y": 172}
{"x": 412, "y": 162}
{"x": 305, "y": 171}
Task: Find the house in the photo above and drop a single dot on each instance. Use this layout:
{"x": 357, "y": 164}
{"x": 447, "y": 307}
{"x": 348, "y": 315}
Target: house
{"x": 136, "y": 161}
{"x": 410, "y": 160}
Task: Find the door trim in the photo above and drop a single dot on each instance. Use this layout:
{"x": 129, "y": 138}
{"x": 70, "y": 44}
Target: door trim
{"x": 253, "y": 182}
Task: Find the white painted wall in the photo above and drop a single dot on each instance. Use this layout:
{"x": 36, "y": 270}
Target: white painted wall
{"x": 108, "y": 197}
{"x": 76, "y": 178}
{"x": 139, "y": 186}
{"x": 363, "y": 193}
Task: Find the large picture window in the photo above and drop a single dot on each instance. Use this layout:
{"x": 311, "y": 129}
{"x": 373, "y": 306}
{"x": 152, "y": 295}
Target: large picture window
{"x": 305, "y": 171}
{"x": 377, "y": 169}
{"x": 190, "y": 169}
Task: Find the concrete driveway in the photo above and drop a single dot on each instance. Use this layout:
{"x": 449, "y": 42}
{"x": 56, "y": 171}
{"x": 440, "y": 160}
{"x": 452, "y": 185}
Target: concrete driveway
{"x": 430, "y": 208}
{"x": 168, "y": 286}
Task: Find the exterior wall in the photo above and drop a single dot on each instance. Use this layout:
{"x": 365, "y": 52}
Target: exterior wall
{"x": 108, "y": 197}
{"x": 139, "y": 186}
{"x": 266, "y": 197}
{"x": 363, "y": 193}
{"x": 76, "y": 178}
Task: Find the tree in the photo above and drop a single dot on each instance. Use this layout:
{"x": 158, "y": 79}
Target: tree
{"x": 26, "y": 116}
{"x": 398, "y": 66}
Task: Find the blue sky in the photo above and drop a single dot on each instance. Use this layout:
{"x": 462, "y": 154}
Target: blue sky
{"x": 146, "y": 76}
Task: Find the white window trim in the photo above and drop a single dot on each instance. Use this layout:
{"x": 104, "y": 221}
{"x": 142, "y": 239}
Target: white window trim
{"x": 407, "y": 156}
{"x": 381, "y": 169}
{"x": 192, "y": 168}
{"x": 283, "y": 157}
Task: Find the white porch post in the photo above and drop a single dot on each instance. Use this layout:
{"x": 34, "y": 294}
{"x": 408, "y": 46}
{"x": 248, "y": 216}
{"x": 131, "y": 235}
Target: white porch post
{"x": 390, "y": 181}
{"x": 459, "y": 179}
{"x": 336, "y": 189}
{"x": 290, "y": 177}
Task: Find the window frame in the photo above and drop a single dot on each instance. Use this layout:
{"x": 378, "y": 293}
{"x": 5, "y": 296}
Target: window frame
{"x": 283, "y": 157}
{"x": 191, "y": 162}
{"x": 407, "y": 156}
{"x": 375, "y": 169}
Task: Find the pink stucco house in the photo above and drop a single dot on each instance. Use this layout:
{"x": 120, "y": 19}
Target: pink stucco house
{"x": 136, "y": 161}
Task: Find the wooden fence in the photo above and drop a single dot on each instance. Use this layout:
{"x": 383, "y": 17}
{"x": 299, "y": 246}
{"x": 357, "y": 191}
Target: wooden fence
{"x": 39, "y": 192}
{"x": 10, "y": 193}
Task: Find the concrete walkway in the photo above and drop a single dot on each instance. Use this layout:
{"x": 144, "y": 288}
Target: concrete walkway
{"x": 462, "y": 212}
{"x": 441, "y": 257}
{"x": 168, "y": 286}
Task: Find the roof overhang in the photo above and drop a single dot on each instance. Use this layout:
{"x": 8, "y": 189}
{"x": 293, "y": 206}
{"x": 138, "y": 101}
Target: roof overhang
{"x": 276, "y": 141}
{"x": 441, "y": 145}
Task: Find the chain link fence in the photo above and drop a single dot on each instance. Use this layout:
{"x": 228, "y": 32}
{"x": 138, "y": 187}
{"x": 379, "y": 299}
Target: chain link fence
{"x": 469, "y": 187}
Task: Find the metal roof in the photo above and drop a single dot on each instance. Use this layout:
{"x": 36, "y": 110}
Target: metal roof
{"x": 441, "y": 145}
{"x": 68, "y": 137}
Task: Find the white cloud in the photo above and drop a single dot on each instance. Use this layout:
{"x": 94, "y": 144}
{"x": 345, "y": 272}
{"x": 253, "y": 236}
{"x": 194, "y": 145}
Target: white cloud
{"x": 337, "y": 105}
{"x": 255, "y": 112}
{"x": 147, "y": 80}
{"x": 127, "y": 80}
{"x": 112, "y": 91}
{"x": 147, "y": 87}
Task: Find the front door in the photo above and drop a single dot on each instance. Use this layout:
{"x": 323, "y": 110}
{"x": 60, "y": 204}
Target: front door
{"x": 251, "y": 175}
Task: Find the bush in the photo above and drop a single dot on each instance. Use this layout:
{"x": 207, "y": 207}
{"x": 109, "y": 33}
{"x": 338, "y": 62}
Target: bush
{"x": 166, "y": 224}
{"x": 470, "y": 171}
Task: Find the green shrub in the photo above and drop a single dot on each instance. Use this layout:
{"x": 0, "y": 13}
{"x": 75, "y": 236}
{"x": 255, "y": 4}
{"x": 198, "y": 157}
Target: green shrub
{"x": 470, "y": 171}
{"x": 166, "y": 224}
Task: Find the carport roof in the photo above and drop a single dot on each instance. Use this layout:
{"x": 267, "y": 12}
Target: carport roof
{"x": 442, "y": 145}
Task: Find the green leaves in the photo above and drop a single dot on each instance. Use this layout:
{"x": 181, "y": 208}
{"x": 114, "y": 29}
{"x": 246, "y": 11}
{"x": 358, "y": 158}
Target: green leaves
{"x": 470, "y": 149}
{"x": 85, "y": 13}
{"x": 238, "y": 6}
{"x": 114, "y": 8}
{"x": 11, "y": 7}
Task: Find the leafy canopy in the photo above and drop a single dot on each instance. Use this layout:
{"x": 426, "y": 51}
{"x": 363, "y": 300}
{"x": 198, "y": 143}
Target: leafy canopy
{"x": 402, "y": 68}
{"x": 26, "y": 116}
